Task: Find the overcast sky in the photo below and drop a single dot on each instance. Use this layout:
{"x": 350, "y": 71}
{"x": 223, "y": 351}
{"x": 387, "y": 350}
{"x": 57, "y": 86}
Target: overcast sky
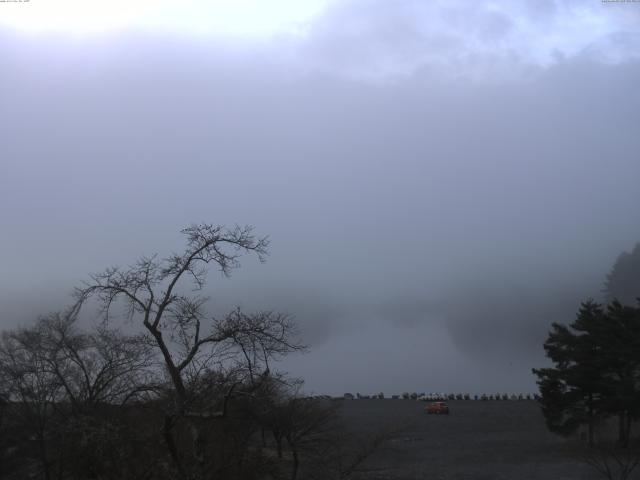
{"x": 440, "y": 180}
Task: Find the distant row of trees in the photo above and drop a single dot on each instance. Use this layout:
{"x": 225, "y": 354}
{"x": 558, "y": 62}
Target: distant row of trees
{"x": 596, "y": 372}
{"x": 442, "y": 396}
{"x": 183, "y": 395}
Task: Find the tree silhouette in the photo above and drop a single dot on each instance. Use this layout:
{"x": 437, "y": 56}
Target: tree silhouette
{"x": 623, "y": 282}
{"x": 571, "y": 392}
{"x": 596, "y": 370}
{"x": 163, "y": 296}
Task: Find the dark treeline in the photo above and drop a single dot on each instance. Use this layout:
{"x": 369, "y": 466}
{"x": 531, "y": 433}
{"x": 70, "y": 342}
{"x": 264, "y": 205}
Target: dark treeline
{"x": 190, "y": 396}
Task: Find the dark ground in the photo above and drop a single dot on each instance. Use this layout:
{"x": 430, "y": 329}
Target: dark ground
{"x": 479, "y": 440}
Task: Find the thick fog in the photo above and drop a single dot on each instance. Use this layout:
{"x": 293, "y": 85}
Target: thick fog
{"x": 439, "y": 183}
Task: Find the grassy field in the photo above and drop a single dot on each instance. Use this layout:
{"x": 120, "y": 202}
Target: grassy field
{"x": 483, "y": 440}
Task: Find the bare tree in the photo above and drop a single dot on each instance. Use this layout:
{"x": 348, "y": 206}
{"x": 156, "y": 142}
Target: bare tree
{"x": 612, "y": 461}
{"x": 101, "y": 367}
{"x": 164, "y": 297}
{"x": 33, "y": 392}
{"x": 60, "y": 384}
{"x": 192, "y": 394}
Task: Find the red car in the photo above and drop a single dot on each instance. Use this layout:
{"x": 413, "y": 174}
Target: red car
{"x": 438, "y": 408}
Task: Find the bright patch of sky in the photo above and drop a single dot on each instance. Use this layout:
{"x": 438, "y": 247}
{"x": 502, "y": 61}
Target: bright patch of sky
{"x": 371, "y": 39}
{"x": 221, "y": 17}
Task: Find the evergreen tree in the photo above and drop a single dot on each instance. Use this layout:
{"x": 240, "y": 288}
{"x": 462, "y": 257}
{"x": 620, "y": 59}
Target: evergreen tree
{"x": 623, "y": 282}
{"x": 621, "y": 354}
{"x": 596, "y": 370}
{"x": 572, "y": 392}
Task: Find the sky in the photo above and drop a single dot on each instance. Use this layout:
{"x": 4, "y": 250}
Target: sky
{"x": 439, "y": 180}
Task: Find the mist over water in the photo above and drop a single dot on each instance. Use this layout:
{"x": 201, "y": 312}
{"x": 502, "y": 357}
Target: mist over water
{"x": 435, "y": 194}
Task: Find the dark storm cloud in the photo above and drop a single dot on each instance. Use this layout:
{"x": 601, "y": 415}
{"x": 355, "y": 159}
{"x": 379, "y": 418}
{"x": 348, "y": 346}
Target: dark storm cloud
{"x": 414, "y": 220}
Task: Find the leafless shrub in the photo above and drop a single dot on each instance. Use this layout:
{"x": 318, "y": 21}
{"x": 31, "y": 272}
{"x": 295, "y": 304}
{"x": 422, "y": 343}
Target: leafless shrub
{"x": 612, "y": 461}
